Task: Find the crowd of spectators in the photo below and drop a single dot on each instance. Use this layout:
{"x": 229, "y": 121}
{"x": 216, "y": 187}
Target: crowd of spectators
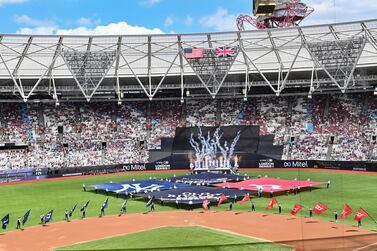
{"x": 201, "y": 112}
{"x": 337, "y": 127}
{"x": 271, "y": 115}
{"x": 308, "y": 147}
{"x": 12, "y": 128}
{"x": 165, "y": 117}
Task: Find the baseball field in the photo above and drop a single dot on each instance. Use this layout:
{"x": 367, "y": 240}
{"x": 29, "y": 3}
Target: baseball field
{"x": 185, "y": 238}
{"x": 356, "y": 189}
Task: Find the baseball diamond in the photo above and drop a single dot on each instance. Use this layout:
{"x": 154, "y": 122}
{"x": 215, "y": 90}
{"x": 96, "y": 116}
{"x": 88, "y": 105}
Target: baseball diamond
{"x": 183, "y": 125}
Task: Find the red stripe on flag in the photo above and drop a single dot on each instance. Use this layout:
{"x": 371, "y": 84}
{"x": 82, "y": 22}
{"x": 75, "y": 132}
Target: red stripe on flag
{"x": 361, "y": 214}
{"x": 272, "y": 203}
{"x": 296, "y": 209}
{"x": 346, "y": 211}
{"x": 246, "y": 198}
{"x": 320, "y": 208}
{"x": 222, "y": 199}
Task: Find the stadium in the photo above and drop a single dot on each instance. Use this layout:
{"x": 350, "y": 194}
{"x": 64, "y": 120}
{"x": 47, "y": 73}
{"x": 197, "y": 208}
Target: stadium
{"x": 262, "y": 139}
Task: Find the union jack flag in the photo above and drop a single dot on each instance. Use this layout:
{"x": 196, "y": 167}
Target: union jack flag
{"x": 225, "y": 52}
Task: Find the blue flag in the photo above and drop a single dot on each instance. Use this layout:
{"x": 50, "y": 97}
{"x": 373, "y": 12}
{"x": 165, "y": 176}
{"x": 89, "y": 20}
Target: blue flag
{"x": 105, "y": 203}
{"x": 5, "y": 221}
{"x": 72, "y": 210}
{"x": 48, "y": 216}
{"x": 150, "y": 202}
{"x": 85, "y": 206}
{"x": 124, "y": 203}
{"x": 26, "y": 217}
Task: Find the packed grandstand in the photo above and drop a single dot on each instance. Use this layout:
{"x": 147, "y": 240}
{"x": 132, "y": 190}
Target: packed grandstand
{"x": 262, "y": 139}
{"x": 72, "y": 101}
{"x": 326, "y": 127}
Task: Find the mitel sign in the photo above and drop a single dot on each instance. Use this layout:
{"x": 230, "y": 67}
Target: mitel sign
{"x": 134, "y": 167}
{"x": 300, "y": 164}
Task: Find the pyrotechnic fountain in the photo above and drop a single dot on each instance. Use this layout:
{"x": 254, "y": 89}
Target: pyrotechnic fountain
{"x": 207, "y": 150}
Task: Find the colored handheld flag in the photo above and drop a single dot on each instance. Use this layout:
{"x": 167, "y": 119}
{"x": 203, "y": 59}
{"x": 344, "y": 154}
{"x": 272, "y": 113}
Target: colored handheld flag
{"x": 5, "y": 221}
{"x": 150, "y": 202}
{"x": 205, "y": 204}
{"x": 105, "y": 203}
{"x": 320, "y": 208}
{"x": 272, "y": 203}
{"x": 72, "y": 211}
{"x": 296, "y": 209}
{"x": 361, "y": 213}
{"x": 346, "y": 211}
{"x": 224, "y": 52}
{"x": 222, "y": 199}
{"x": 124, "y": 203}
{"x": 193, "y": 53}
{"x": 85, "y": 206}
{"x": 245, "y": 198}
{"x": 26, "y": 217}
{"x": 48, "y": 216}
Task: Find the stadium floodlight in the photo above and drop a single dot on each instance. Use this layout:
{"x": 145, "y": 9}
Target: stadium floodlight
{"x": 263, "y": 7}
{"x": 275, "y": 14}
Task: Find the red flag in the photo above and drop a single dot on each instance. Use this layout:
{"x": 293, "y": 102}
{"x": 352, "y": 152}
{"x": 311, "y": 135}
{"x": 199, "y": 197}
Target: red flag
{"x": 296, "y": 209}
{"x": 205, "y": 204}
{"x": 320, "y": 208}
{"x": 346, "y": 211}
{"x": 360, "y": 214}
{"x": 222, "y": 199}
{"x": 246, "y": 198}
{"x": 272, "y": 203}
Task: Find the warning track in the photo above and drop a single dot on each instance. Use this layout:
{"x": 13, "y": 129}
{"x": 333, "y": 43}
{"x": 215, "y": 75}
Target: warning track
{"x": 300, "y": 233}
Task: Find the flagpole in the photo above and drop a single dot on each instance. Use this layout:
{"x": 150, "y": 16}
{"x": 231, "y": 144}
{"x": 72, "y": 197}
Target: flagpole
{"x": 369, "y": 216}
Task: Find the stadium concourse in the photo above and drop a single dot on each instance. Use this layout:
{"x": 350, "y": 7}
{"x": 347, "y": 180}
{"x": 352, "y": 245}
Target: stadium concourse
{"x": 326, "y": 127}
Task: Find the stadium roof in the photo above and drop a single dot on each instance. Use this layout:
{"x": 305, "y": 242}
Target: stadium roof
{"x": 339, "y": 57}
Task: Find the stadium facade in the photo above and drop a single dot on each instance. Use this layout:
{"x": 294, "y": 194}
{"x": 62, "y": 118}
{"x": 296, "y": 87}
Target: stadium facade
{"x": 299, "y": 60}
{"x": 294, "y": 78}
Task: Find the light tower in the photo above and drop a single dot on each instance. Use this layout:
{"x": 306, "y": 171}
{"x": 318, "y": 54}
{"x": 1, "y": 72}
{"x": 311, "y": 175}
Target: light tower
{"x": 275, "y": 14}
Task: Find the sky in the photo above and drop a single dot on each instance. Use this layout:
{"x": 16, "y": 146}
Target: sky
{"x": 100, "y": 17}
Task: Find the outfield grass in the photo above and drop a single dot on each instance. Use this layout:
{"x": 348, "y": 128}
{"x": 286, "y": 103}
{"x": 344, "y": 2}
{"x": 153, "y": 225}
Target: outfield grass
{"x": 358, "y": 190}
{"x": 61, "y": 195}
{"x": 178, "y": 238}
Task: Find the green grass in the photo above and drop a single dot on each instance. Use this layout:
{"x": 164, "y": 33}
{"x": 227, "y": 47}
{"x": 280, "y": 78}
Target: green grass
{"x": 178, "y": 238}
{"x": 358, "y": 190}
{"x": 61, "y": 195}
